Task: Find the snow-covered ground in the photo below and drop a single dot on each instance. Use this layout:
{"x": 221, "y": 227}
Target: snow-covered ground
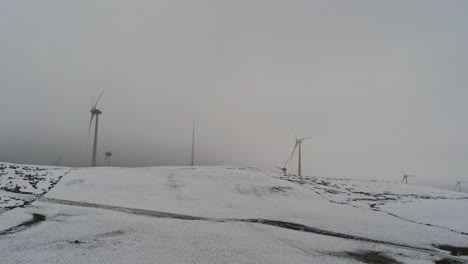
{"x": 19, "y": 184}
{"x": 104, "y": 236}
{"x": 421, "y": 204}
{"x": 370, "y": 193}
{"x": 228, "y": 215}
{"x": 444, "y": 213}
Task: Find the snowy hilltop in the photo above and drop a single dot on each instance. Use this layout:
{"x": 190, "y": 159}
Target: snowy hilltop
{"x": 222, "y": 215}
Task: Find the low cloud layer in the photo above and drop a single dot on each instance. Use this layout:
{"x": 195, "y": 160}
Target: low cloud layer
{"x": 380, "y": 86}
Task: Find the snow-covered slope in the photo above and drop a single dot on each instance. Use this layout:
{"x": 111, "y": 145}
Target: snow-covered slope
{"x": 204, "y": 206}
{"x": 19, "y": 183}
{"x": 221, "y": 192}
{"x": 370, "y": 193}
{"x": 420, "y": 204}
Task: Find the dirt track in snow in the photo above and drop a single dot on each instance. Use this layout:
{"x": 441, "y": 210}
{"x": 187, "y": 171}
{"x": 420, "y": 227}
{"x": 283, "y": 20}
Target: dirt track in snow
{"x": 37, "y": 218}
{"x": 276, "y": 223}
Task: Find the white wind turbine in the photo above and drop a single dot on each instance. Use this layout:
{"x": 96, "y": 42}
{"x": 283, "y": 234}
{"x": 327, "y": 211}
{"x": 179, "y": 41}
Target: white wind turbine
{"x": 299, "y": 159}
{"x": 108, "y": 157}
{"x": 459, "y": 185}
{"x": 405, "y": 177}
{"x": 94, "y": 113}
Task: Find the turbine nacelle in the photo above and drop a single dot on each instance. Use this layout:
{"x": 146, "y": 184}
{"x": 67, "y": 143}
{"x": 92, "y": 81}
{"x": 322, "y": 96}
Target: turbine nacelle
{"x": 299, "y": 140}
{"x": 95, "y": 111}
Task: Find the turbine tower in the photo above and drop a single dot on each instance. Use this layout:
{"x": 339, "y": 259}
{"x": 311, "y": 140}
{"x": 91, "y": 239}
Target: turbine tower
{"x": 94, "y": 113}
{"x": 459, "y": 185}
{"x": 192, "y": 163}
{"x": 299, "y": 160}
{"x": 108, "y": 157}
{"x": 405, "y": 177}
{"x": 58, "y": 162}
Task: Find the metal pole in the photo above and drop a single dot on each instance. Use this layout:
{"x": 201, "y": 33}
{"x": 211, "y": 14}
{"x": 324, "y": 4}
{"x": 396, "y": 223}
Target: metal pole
{"x": 193, "y": 144}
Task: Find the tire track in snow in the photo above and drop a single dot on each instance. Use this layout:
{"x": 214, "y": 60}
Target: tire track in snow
{"x": 175, "y": 187}
{"x": 426, "y": 224}
{"x": 275, "y": 223}
{"x": 143, "y": 212}
{"x": 283, "y": 241}
{"x": 37, "y": 218}
{"x": 312, "y": 188}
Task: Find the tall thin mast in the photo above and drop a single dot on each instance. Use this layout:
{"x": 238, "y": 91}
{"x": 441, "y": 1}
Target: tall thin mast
{"x": 193, "y": 144}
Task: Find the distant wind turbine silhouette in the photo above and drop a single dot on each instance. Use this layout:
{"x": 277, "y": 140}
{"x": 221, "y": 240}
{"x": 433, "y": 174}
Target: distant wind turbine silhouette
{"x": 283, "y": 169}
{"x": 58, "y": 162}
{"x": 405, "y": 177}
{"x": 459, "y": 185}
{"x": 108, "y": 157}
{"x": 94, "y": 113}
{"x": 299, "y": 160}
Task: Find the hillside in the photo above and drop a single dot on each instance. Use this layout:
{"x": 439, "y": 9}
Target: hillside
{"x": 224, "y": 215}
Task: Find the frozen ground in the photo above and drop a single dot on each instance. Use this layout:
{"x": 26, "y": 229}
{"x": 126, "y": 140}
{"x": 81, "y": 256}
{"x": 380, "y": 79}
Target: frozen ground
{"x": 421, "y": 204}
{"x": 86, "y": 235}
{"x": 20, "y": 184}
{"x": 228, "y": 215}
{"x": 448, "y": 212}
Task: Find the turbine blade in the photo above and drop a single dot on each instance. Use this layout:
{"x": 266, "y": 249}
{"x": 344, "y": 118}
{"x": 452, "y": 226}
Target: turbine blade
{"x": 97, "y": 101}
{"x": 292, "y": 155}
{"x": 305, "y": 138}
{"x": 90, "y": 123}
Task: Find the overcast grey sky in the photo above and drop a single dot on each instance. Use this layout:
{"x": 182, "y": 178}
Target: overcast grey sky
{"x": 379, "y": 85}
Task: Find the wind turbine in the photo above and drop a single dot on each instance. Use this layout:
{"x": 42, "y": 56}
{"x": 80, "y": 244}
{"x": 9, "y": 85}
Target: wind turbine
{"x": 108, "y": 157}
{"x": 192, "y": 163}
{"x": 459, "y": 185}
{"x": 405, "y": 177}
{"x": 299, "y": 160}
{"x": 284, "y": 169}
{"x": 58, "y": 162}
{"x": 94, "y": 113}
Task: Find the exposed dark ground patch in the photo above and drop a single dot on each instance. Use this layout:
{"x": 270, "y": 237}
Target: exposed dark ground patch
{"x": 29, "y": 175}
{"x": 37, "y": 218}
{"x": 447, "y": 261}
{"x": 370, "y": 257}
{"x": 112, "y": 234}
{"x": 134, "y": 211}
{"x": 77, "y": 242}
{"x": 279, "y": 189}
{"x": 455, "y": 251}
